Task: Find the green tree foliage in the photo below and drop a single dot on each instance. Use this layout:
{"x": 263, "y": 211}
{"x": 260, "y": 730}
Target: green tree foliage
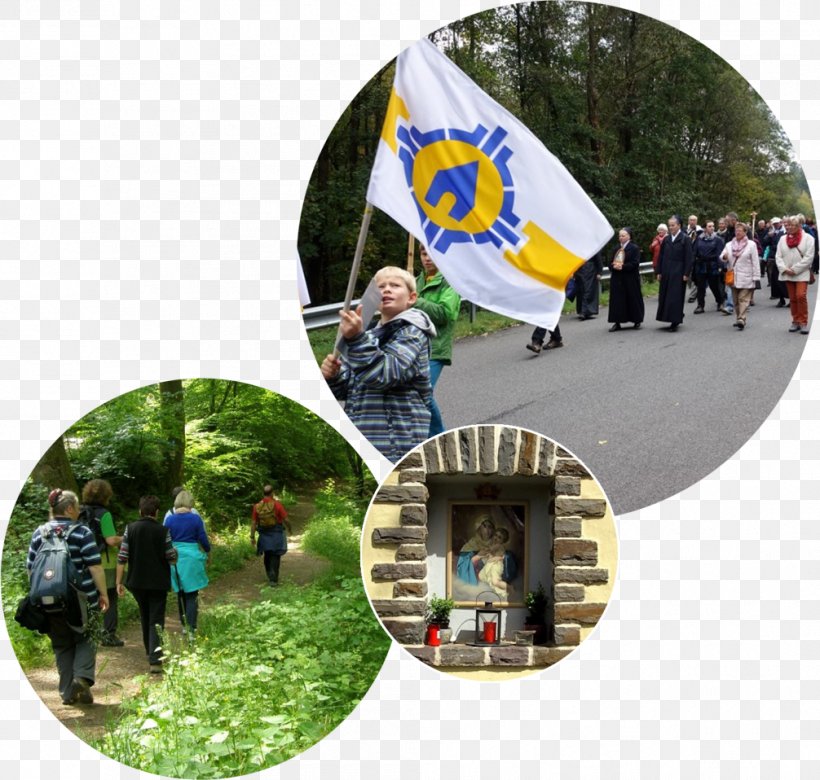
{"x": 223, "y": 440}
{"x": 648, "y": 120}
{"x": 29, "y": 512}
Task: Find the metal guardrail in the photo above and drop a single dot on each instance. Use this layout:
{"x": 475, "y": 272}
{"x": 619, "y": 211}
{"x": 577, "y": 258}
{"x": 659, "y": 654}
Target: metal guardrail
{"x": 327, "y": 314}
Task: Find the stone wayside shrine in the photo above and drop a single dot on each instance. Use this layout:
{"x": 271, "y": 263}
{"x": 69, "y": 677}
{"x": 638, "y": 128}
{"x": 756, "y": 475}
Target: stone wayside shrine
{"x": 568, "y": 545}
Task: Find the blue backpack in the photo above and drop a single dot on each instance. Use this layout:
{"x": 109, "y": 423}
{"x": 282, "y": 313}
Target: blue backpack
{"x": 55, "y": 580}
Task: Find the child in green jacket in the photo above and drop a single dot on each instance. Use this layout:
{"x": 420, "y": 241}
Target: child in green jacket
{"x": 441, "y": 303}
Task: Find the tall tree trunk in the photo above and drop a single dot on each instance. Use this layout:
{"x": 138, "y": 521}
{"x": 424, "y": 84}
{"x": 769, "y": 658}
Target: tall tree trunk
{"x": 54, "y": 470}
{"x": 172, "y": 416}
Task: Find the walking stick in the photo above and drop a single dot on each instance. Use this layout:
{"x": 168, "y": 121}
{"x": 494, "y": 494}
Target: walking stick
{"x": 181, "y": 600}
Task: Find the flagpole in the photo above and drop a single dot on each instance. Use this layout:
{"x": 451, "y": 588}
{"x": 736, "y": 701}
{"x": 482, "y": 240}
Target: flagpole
{"x": 411, "y": 252}
{"x": 357, "y": 262}
{"x": 357, "y": 257}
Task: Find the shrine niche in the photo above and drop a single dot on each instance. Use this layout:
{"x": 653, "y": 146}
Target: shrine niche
{"x": 489, "y": 519}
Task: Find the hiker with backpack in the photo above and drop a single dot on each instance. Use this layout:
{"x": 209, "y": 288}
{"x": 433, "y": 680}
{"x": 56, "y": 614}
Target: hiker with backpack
{"x": 67, "y": 583}
{"x": 188, "y": 575}
{"x": 95, "y": 514}
{"x": 270, "y": 519}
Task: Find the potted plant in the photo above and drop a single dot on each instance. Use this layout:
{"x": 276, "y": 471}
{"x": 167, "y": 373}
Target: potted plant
{"x": 438, "y": 614}
{"x": 537, "y": 602}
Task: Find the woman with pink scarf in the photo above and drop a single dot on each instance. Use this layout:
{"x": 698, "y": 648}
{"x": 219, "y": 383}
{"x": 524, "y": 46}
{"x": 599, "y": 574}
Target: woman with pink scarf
{"x": 740, "y": 256}
{"x": 795, "y": 253}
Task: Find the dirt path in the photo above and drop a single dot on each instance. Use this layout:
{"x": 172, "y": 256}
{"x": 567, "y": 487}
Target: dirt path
{"x": 121, "y": 671}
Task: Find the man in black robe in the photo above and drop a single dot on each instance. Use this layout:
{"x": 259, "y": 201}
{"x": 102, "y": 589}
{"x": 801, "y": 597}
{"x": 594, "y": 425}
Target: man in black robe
{"x": 674, "y": 269}
{"x": 587, "y": 287}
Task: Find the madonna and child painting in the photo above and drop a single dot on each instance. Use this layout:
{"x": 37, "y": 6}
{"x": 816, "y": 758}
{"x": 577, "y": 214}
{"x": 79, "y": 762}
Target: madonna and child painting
{"x": 487, "y": 553}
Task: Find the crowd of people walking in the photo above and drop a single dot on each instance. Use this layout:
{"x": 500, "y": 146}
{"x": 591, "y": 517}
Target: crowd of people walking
{"x": 730, "y": 261}
{"x": 152, "y": 557}
{"x": 385, "y": 371}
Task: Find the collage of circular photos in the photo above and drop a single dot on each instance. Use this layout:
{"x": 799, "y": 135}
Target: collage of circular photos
{"x": 549, "y": 284}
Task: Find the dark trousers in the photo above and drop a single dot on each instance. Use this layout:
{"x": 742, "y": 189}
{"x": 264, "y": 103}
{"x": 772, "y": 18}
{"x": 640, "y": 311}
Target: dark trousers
{"x": 75, "y": 653}
{"x": 539, "y": 334}
{"x": 151, "y": 604}
{"x": 778, "y": 288}
{"x": 272, "y": 563}
{"x": 189, "y": 609}
{"x": 715, "y": 285}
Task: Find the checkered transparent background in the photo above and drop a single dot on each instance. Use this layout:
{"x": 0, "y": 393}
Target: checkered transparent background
{"x": 153, "y": 158}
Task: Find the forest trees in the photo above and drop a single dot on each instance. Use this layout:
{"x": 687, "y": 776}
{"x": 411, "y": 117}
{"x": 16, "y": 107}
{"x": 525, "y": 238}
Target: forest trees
{"x": 649, "y": 121}
{"x": 224, "y": 440}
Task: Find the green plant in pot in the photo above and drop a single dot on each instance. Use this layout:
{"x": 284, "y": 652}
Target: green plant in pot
{"x": 537, "y": 603}
{"x": 438, "y": 614}
{"x": 438, "y": 611}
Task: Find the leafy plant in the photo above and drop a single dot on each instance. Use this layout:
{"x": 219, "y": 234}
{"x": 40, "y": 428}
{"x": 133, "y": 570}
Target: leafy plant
{"x": 29, "y": 512}
{"x": 261, "y": 685}
{"x": 536, "y": 602}
{"x": 438, "y": 611}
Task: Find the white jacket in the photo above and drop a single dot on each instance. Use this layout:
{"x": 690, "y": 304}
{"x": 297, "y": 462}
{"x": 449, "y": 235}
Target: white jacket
{"x": 798, "y": 259}
{"x": 746, "y": 267}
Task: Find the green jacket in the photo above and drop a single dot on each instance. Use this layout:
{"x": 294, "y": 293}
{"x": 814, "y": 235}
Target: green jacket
{"x": 441, "y": 303}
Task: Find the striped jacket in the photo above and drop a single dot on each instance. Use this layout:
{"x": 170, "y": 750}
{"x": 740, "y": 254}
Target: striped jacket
{"x": 83, "y": 550}
{"x": 385, "y": 382}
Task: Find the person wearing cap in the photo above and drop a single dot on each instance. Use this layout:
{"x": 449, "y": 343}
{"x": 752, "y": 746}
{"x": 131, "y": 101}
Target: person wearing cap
{"x": 777, "y": 289}
{"x": 625, "y": 295}
{"x": 794, "y": 258}
{"x": 674, "y": 270}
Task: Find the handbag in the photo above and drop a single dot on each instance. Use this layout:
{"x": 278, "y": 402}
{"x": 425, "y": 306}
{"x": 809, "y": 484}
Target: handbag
{"x": 729, "y": 279}
{"x": 757, "y": 284}
{"x": 30, "y": 616}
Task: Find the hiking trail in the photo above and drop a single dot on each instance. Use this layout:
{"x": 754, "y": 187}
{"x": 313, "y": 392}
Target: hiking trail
{"x": 121, "y": 671}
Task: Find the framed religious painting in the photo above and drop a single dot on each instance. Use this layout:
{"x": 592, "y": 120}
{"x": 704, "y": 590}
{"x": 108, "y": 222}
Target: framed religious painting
{"x": 487, "y": 552}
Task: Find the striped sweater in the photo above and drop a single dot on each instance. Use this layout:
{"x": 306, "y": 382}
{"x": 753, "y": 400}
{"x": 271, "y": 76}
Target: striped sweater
{"x": 385, "y": 382}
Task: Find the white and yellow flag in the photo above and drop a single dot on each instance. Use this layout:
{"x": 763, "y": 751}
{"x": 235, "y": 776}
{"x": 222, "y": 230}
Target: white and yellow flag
{"x": 500, "y": 215}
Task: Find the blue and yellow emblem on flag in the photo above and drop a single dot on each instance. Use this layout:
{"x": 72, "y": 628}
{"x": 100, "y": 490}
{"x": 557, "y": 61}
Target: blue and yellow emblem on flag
{"x": 480, "y": 191}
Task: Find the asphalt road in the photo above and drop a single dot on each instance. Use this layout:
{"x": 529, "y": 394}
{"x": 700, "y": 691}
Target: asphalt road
{"x": 649, "y": 412}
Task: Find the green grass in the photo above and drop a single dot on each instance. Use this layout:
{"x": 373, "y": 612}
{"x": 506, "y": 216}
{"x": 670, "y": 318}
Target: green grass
{"x": 334, "y": 531}
{"x": 322, "y": 340}
{"x": 261, "y": 685}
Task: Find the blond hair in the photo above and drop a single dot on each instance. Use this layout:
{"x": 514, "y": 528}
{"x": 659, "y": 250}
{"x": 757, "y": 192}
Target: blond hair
{"x": 396, "y": 272}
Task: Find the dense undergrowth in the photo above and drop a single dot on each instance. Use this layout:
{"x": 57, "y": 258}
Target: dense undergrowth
{"x": 262, "y": 683}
